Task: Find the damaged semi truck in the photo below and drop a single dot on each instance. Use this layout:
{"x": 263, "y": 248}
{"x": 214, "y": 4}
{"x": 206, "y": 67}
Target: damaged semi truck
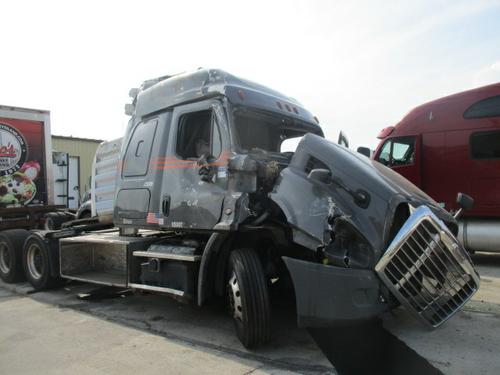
{"x": 209, "y": 204}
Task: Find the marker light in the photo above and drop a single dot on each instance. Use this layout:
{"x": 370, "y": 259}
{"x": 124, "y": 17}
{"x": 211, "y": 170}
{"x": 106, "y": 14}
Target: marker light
{"x": 385, "y": 132}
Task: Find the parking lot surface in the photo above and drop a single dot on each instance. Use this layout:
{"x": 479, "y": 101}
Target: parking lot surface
{"x": 95, "y": 329}
{"x": 469, "y": 342}
{"x": 82, "y": 328}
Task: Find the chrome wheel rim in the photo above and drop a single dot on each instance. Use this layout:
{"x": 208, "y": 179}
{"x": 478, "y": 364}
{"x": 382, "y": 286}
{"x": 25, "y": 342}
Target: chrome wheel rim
{"x": 235, "y": 298}
{"x": 34, "y": 261}
{"x": 4, "y": 258}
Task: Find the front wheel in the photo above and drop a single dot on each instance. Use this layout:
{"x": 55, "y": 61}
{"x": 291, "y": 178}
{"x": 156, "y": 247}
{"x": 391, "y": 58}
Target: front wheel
{"x": 249, "y": 297}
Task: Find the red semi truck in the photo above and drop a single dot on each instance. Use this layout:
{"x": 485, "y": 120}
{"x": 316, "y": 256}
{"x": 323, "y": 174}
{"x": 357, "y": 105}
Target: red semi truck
{"x": 452, "y": 145}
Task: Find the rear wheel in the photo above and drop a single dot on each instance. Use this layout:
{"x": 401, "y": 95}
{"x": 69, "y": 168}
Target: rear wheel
{"x": 11, "y": 248}
{"x": 249, "y": 297}
{"x": 36, "y": 263}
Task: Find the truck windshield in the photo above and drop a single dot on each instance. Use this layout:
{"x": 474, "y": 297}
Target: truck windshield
{"x": 267, "y": 131}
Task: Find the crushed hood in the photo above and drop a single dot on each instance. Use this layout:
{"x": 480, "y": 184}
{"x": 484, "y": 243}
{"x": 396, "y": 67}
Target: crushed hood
{"x": 308, "y": 203}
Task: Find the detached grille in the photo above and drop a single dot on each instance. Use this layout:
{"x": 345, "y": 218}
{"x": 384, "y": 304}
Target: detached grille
{"x": 427, "y": 269}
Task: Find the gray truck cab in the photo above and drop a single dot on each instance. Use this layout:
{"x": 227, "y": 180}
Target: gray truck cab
{"x": 187, "y": 135}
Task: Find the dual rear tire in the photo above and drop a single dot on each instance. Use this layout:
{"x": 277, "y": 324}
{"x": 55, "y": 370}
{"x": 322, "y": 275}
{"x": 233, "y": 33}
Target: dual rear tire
{"x": 37, "y": 263}
{"x": 11, "y": 254}
{"x": 25, "y": 256}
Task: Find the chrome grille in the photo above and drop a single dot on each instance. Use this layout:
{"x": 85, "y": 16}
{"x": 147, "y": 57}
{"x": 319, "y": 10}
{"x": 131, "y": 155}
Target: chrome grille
{"x": 427, "y": 269}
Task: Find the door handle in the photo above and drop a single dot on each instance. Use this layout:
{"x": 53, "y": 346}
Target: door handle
{"x": 165, "y": 205}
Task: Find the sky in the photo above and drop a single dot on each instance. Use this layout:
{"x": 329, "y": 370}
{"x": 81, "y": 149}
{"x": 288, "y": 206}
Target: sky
{"x": 357, "y": 65}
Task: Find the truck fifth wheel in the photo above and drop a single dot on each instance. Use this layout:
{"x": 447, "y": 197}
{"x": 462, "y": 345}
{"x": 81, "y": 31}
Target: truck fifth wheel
{"x": 209, "y": 203}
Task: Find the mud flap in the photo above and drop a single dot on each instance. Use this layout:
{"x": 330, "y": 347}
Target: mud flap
{"x": 328, "y": 295}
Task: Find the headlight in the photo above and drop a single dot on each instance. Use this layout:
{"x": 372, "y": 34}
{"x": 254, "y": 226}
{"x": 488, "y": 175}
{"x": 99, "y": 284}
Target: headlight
{"x": 348, "y": 247}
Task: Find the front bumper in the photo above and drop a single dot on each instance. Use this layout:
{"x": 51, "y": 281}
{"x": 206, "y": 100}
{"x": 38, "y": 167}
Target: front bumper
{"x": 424, "y": 267}
{"x": 329, "y": 295}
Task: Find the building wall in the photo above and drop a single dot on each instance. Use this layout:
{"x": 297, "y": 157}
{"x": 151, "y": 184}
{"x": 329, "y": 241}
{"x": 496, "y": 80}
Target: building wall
{"x": 84, "y": 148}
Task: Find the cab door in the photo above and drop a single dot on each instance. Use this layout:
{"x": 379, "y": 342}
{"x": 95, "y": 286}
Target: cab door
{"x": 136, "y": 176}
{"x": 195, "y": 167}
{"x": 402, "y": 154}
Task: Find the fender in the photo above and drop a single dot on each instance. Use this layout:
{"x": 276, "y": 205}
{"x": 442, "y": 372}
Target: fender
{"x": 207, "y": 266}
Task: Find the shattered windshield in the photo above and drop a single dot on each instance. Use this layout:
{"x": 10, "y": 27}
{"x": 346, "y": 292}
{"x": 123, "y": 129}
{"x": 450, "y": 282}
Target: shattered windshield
{"x": 268, "y": 131}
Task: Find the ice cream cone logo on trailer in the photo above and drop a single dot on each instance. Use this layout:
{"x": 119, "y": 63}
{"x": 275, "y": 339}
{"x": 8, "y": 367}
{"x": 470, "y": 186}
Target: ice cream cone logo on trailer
{"x": 13, "y": 150}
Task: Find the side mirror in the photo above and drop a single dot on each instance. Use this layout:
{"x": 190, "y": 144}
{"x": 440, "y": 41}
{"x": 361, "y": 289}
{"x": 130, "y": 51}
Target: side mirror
{"x": 365, "y": 151}
{"x": 343, "y": 141}
{"x": 464, "y": 201}
{"x": 321, "y": 175}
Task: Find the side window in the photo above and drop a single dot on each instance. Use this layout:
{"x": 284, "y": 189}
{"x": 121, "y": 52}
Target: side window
{"x": 485, "y": 145}
{"x": 138, "y": 152}
{"x": 403, "y": 151}
{"x": 198, "y": 134}
{"x": 398, "y": 152}
{"x": 489, "y": 107}
{"x": 385, "y": 154}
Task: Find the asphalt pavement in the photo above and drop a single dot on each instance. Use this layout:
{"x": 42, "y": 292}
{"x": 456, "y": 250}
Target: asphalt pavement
{"x": 85, "y": 329}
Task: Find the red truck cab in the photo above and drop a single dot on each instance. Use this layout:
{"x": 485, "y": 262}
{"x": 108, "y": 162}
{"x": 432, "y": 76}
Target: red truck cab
{"x": 451, "y": 145}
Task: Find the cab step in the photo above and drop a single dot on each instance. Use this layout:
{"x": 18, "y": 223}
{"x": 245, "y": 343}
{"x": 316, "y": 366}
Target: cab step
{"x": 160, "y": 289}
{"x": 154, "y": 254}
{"x": 162, "y": 250}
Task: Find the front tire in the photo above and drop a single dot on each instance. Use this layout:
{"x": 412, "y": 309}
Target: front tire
{"x": 36, "y": 263}
{"x": 249, "y": 298}
{"x": 11, "y": 254}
